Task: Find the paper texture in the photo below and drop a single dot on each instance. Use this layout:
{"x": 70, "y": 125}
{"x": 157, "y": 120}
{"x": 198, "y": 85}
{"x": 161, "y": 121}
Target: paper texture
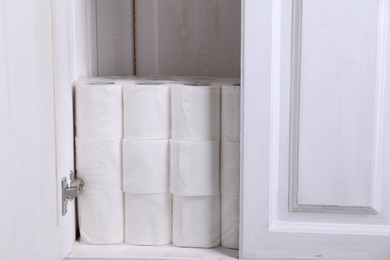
{"x": 148, "y": 219}
{"x": 98, "y": 109}
{"x": 101, "y": 181}
{"x": 194, "y": 168}
{"x": 195, "y": 112}
{"x": 146, "y": 166}
{"x": 101, "y": 217}
{"x": 230, "y": 113}
{"x": 147, "y": 111}
{"x": 230, "y": 167}
{"x": 99, "y": 155}
{"x": 196, "y": 221}
{"x": 230, "y": 220}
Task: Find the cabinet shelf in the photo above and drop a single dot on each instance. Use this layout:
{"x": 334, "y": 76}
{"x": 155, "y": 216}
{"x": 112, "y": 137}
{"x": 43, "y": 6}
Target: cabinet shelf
{"x": 82, "y": 251}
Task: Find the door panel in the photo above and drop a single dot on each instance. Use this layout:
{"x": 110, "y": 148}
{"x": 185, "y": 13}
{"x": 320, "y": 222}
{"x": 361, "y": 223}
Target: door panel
{"x": 336, "y": 96}
{"x": 36, "y": 148}
{"x": 334, "y": 114}
{"x": 316, "y": 129}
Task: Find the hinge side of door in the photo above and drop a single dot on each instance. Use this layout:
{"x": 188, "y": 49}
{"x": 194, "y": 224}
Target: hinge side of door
{"x": 70, "y": 191}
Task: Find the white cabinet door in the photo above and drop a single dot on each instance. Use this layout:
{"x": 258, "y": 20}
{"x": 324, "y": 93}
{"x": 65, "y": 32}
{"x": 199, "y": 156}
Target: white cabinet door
{"x": 36, "y": 140}
{"x": 316, "y": 129}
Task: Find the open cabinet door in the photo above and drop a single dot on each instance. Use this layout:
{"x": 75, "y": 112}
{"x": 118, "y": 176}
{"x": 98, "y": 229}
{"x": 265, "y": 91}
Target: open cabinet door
{"x": 316, "y": 129}
{"x": 36, "y": 129}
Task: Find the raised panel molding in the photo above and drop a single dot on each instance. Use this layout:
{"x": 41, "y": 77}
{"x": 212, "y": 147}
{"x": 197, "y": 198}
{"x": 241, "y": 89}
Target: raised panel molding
{"x": 296, "y": 45}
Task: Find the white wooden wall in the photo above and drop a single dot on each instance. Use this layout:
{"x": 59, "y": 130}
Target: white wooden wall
{"x": 169, "y": 37}
{"x": 191, "y": 37}
{"x": 115, "y": 42}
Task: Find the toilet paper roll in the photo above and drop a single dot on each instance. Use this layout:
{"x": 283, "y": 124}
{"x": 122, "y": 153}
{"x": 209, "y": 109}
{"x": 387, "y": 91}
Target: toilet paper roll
{"x": 147, "y": 111}
{"x": 196, "y": 221}
{"x": 230, "y": 112}
{"x": 230, "y": 167}
{"x": 95, "y": 155}
{"x": 160, "y": 78}
{"x": 148, "y": 219}
{"x": 101, "y": 217}
{"x": 128, "y": 80}
{"x": 194, "y": 168}
{"x": 195, "y": 112}
{"x": 196, "y": 80}
{"x": 146, "y": 166}
{"x": 101, "y": 181}
{"x": 230, "y": 220}
{"x": 98, "y": 110}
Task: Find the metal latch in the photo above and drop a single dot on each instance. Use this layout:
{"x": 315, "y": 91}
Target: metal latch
{"x": 69, "y": 192}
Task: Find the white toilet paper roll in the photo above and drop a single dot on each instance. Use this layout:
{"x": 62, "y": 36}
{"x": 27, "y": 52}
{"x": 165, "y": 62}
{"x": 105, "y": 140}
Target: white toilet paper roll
{"x": 148, "y": 219}
{"x": 99, "y": 155}
{"x": 230, "y": 167}
{"x": 230, "y": 220}
{"x": 101, "y": 181}
{"x": 125, "y": 80}
{"x": 195, "y": 112}
{"x": 146, "y": 166}
{"x": 196, "y": 221}
{"x": 101, "y": 217}
{"x": 147, "y": 111}
{"x": 98, "y": 110}
{"x": 230, "y": 112}
{"x": 194, "y": 168}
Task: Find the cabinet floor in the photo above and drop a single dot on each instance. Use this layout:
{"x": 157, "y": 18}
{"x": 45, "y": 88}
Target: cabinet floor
{"x": 81, "y": 251}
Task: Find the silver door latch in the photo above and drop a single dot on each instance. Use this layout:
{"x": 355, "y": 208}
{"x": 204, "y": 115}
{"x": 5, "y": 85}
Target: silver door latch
{"x": 69, "y": 192}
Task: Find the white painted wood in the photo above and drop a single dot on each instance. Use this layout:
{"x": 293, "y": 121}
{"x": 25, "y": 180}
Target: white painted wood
{"x": 30, "y": 147}
{"x": 115, "y": 37}
{"x": 124, "y": 251}
{"x": 340, "y": 99}
{"x": 146, "y": 35}
{"x": 337, "y": 110}
{"x": 6, "y": 217}
{"x": 190, "y": 37}
{"x": 36, "y": 137}
{"x": 84, "y": 41}
{"x": 64, "y": 74}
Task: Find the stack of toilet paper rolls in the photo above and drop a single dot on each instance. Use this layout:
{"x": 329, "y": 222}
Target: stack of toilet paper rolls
{"x": 99, "y": 161}
{"x": 146, "y": 163}
{"x": 194, "y": 179}
{"x": 230, "y": 165}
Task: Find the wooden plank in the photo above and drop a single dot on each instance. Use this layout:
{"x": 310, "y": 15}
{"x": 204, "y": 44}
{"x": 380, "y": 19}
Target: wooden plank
{"x": 124, "y": 251}
{"x": 7, "y": 216}
{"x": 188, "y": 37}
{"x": 115, "y": 37}
{"x": 146, "y": 37}
{"x": 269, "y": 228}
{"x": 84, "y": 40}
{"x": 337, "y": 110}
{"x": 33, "y": 77}
{"x": 29, "y": 79}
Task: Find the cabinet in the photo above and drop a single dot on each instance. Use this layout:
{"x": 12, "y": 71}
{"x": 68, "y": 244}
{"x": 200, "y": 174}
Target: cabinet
{"x": 315, "y": 148}
{"x": 315, "y": 115}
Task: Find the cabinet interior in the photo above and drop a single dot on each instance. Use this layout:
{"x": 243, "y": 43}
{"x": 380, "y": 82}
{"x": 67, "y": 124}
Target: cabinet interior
{"x": 151, "y": 37}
